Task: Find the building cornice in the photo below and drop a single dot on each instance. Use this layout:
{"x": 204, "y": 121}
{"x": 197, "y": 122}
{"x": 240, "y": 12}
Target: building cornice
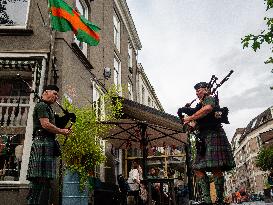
{"x": 124, "y": 11}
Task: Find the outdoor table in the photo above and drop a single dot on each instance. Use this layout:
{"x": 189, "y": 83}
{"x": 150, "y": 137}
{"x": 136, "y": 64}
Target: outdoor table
{"x": 169, "y": 181}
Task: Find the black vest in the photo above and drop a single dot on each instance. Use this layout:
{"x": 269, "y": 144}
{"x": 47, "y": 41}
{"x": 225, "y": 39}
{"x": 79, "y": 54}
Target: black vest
{"x": 213, "y": 119}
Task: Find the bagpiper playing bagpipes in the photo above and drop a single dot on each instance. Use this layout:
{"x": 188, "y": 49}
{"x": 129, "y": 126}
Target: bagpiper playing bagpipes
{"x": 45, "y": 148}
{"x": 213, "y": 150}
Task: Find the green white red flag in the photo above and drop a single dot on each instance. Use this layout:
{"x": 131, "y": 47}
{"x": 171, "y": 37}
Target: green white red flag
{"x": 64, "y": 18}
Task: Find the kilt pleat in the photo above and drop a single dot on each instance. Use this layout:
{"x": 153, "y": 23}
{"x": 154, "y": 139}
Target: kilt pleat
{"x": 218, "y": 153}
{"x": 42, "y": 162}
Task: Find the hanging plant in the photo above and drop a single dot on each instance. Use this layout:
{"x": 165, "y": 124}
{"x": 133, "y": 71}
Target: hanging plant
{"x": 82, "y": 151}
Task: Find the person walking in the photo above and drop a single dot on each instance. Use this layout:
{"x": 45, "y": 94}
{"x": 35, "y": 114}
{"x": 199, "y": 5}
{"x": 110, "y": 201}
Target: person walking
{"x": 44, "y": 150}
{"x": 214, "y": 153}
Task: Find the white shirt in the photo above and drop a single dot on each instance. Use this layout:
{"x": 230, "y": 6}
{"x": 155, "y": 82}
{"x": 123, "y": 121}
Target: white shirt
{"x": 133, "y": 180}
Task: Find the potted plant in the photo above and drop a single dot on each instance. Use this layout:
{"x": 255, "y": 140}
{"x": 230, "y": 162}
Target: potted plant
{"x": 82, "y": 151}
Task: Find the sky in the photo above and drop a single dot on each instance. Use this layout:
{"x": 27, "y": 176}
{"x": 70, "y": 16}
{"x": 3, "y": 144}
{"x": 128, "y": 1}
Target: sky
{"x": 188, "y": 41}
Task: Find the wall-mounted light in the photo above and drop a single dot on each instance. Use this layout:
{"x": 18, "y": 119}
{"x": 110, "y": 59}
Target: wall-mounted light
{"x": 107, "y": 73}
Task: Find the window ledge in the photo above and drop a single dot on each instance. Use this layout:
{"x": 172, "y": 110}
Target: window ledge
{"x": 15, "y": 32}
{"x": 13, "y": 186}
{"x": 81, "y": 56}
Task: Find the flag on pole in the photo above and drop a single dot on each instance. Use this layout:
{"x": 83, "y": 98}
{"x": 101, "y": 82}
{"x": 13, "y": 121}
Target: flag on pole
{"x": 64, "y": 18}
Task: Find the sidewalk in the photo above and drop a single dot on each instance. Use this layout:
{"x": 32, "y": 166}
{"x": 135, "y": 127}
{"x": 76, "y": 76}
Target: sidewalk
{"x": 254, "y": 203}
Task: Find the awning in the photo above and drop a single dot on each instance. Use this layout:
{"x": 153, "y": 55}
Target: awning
{"x": 127, "y": 134}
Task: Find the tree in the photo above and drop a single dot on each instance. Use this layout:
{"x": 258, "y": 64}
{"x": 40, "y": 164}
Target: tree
{"x": 82, "y": 151}
{"x": 264, "y": 159}
{"x": 266, "y": 36}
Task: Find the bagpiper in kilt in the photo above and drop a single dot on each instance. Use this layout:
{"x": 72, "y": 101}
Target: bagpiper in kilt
{"x": 44, "y": 149}
{"x": 213, "y": 150}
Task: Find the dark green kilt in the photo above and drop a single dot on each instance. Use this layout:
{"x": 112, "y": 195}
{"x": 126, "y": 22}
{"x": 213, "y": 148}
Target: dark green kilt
{"x": 42, "y": 162}
{"x": 218, "y": 153}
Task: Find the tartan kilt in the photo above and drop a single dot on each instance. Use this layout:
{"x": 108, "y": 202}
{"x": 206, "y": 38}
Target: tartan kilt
{"x": 42, "y": 162}
{"x": 218, "y": 152}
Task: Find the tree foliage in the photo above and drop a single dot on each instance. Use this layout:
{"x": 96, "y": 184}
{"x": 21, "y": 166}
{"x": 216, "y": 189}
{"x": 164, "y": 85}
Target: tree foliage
{"x": 266, "y": 36}
{"x": 82, "y": 151}
{"x": 264, "y": 159}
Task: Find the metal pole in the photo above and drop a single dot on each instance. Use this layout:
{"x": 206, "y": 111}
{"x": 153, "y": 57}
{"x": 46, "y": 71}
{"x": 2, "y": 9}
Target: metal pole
{"x": 144, "y": 141}
{"x": 189, "y": 167}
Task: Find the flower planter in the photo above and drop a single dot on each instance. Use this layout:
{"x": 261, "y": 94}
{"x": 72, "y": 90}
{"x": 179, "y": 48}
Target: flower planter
{"x": 71, "y": 190}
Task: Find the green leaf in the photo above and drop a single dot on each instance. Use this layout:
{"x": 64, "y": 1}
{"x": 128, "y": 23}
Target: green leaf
{"x": 82, "y": 151}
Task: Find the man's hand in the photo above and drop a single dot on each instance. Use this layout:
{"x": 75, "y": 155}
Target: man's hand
{"x": 187, "y": 120}
{"x": 65, "y": 131}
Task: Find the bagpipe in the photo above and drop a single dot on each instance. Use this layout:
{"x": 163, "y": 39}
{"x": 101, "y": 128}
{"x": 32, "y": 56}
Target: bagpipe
{"x": 220, "y": 114}
{"x": 60, "y": 122}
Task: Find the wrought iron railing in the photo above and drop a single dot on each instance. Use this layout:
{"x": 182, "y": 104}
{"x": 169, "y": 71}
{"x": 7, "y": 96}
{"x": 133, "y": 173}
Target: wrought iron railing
{"x": 14, "y": 111}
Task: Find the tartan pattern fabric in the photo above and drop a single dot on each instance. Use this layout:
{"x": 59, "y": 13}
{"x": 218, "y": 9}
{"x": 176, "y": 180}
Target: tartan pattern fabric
{"x": 218, "y": 152}
{"x": 42, "y": 162}
{"x": 36, "y": 190}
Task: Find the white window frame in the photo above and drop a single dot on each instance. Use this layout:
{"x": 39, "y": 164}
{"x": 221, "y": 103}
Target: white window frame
{"x": 98, "y": 102}
{"x": 82, "y": 45}
{"x": 116, "y": 23}
{"x": 142, "y": 94}
{"x": 19, "y": 26}
{"x": 29, "y": 128}
{"x": 130, "y": 55}
{"x": 130, "y": 90}
{"x": 117, "y": 74}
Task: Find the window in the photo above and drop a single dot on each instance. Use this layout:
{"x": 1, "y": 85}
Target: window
{"x": 13, "y": 12}
{"x": 253, "y": 123}
{"x": 16, "y": 102}
{"x": 98, "y": 102}
{"x": 82, "y": 8}
{"x": 149, "y": 101}
{"x": 116, "y": 31}
{"x": 142, "y": 94}
{"x": 130, "y": 91}
{"x": 130, "y": 58}
{"x": 117, "y": 74}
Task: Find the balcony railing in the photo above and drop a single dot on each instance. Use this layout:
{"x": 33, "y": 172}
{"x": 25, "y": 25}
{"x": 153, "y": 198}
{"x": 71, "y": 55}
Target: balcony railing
{"x": 13, "y": 114}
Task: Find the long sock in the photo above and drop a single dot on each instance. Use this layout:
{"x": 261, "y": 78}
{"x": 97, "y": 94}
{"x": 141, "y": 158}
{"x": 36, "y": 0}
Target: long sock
{"x": 219, "y": 186}
{"x": 205, "y": 187}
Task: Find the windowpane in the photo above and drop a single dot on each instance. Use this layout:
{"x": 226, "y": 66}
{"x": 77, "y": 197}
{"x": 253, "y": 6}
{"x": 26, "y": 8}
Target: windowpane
{"x": 129, "y": 55}
{"x": 116, "y": 31}
{"x": 130, "y": 91}
{"x": 13, "y": 12}
{"x": 11, "y": 152}
{"x": 142, "y": 94}
{"x": 81, "y": 7}
{"x": 116, "y": 72}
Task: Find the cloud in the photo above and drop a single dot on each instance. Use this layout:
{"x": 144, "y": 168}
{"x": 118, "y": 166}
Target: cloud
{"x": 185, "y": 42}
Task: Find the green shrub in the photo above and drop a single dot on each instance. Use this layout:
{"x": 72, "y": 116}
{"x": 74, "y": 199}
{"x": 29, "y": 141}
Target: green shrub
{"x": 82, "y": 150}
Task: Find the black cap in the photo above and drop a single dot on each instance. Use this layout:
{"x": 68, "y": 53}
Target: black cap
{"x": 201, "y": 85}
{"x": 51, "y": 87}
